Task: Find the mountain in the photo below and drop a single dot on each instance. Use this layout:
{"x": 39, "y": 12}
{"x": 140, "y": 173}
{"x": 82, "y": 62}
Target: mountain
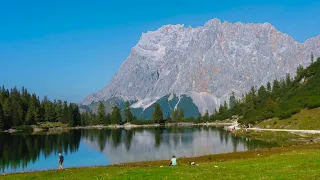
{"x": 205, "y": 63}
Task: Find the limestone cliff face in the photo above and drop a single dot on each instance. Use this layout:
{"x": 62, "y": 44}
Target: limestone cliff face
{"x": 205, "y": 63}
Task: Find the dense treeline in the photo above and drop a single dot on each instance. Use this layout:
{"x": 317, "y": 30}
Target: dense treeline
{"x": 103, "y": 118}
{"x": 18, "y": 108}
{"x": 282, "y": 99}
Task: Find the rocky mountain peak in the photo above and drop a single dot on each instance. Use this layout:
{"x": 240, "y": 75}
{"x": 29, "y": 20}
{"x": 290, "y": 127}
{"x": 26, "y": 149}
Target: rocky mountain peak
{"x": 205, "y": 63}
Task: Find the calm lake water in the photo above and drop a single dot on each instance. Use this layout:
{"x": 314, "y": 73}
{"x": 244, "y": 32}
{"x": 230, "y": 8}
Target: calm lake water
{"x": 25, "y": 152}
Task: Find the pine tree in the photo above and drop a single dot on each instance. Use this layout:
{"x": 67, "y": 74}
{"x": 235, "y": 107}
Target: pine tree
{"x": 269, "y": 87}
{"x": 16, "y": 107}
{"x": 181, "y": 115}
{"x": 312, "y": 58}
{"x": 174, "y": 115}
{"x": 101, "y": 114}
{"x": 59, "y": 111}
{"x": 225, "y": 106}
{"x": 108, "y": 118}
{"x": 85, "y": 118}
{"x": 49, "y": 110}
{"x": 30, "y": 118}
{"x": 288, "y": 80}
{"x": 221, "y": 110}
{"x": 276, "y": 86}
{"x": 232, "y": 100}
{"x": 128, "y": 117}
{"x": 157, "y": 115}
{"x": 169, "y": 117}
{"x": 7, "y": 114}
{"x": 206, "y": 116}
{"x": 254, "y": 97}
{"x": 300, "y": 73}
{"x": 116, "y": 115}
{"x": 65, "y": 113}
{"x": 262, "y": 96}
{"x": 1, "y": 118}
{"x": 199, "y": 118}
{"x": 37, "y": 116}
{"x": 76, "y": 116}
{"x": 25, "y": 97}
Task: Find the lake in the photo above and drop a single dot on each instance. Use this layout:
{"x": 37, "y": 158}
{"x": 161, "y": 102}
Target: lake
{"x": 94, "y": 147}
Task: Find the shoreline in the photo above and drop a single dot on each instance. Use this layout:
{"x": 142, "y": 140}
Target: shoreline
{"x": 185, "y": 161}
{"x": 128, "y": 126}
{"x": 125, "y": 126}
{"x": 37, "y": 129}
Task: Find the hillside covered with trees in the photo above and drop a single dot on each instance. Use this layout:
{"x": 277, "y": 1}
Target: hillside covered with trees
{"x": 281, "y": 98}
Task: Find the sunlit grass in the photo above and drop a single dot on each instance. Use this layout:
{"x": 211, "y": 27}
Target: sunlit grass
{"x": 305, "y": 119}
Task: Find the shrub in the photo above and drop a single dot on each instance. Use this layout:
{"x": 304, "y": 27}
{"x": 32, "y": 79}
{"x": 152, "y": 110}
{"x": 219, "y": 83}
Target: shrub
{"x": 23, "y": 128}
{"x": 268, "y": 115}
{"x": 295, "y": 110}
{"x": 141, "y": 122}
{"x": 313, "y": 105}
{"x": 285, "y": 115}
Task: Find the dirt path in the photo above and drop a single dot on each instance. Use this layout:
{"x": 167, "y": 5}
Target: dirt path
{"x": 287, "y": 130}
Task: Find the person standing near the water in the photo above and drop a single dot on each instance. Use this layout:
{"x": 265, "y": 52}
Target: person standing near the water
{"x": 61, "y": 159}
{"x": 173, "y": 161}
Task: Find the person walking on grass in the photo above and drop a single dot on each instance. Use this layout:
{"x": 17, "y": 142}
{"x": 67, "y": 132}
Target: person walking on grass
{"x": 60, "y": 161}
{"x": 173, "y": 161}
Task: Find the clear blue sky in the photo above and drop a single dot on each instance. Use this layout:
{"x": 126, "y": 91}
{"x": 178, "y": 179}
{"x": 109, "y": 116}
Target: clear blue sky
{"x": 67, "y": 49}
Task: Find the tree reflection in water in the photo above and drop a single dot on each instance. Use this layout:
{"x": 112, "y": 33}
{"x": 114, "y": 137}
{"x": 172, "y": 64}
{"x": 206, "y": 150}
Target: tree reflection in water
{"x": 121, "y": 145}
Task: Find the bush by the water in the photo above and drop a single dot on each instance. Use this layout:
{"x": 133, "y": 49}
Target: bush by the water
{"x": 141, "y": 122}
{"x": 23, "y": 128}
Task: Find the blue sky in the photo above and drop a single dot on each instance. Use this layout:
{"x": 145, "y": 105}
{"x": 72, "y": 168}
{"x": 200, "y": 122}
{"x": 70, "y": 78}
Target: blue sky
{"x": 69, "y": 49}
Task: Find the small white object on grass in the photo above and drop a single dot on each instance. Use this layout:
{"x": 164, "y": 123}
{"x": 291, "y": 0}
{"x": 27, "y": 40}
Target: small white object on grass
{"x": 161, "y": 166}
{"x": 216, "y": 166}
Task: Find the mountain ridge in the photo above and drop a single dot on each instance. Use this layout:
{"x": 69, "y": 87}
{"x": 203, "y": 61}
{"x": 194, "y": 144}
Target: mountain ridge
{"x": 205, "y": 63}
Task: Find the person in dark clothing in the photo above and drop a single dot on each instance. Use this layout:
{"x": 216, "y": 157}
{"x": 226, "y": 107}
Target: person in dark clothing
{"x": 61, "y": 159}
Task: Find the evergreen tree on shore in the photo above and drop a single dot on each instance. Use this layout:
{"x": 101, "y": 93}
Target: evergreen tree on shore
{"x": 102, "y": 118}
{"x": 157, "y": 115}
{"x": 116, "y": 115}
{"x": 199, "y": 118}
{"x": 206, "y": 116}
{"x": 174, "y": 116}
{"x": 20, "y": 108}
{"x": 128, "y": 117}
{"x": 1, "y": 117}
{"x": 181, "y": 115}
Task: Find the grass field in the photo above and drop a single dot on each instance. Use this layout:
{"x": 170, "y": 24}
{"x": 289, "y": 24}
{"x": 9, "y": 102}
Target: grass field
{"x": 294, "y": 162}
{"x": 305, "y": 119}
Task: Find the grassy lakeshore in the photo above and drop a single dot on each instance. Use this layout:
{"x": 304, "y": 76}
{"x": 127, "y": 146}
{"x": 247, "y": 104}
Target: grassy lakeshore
{"x": 305, "y": 119}
{"x": 294, "y": 162}
{"x": 279, "y": 138}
